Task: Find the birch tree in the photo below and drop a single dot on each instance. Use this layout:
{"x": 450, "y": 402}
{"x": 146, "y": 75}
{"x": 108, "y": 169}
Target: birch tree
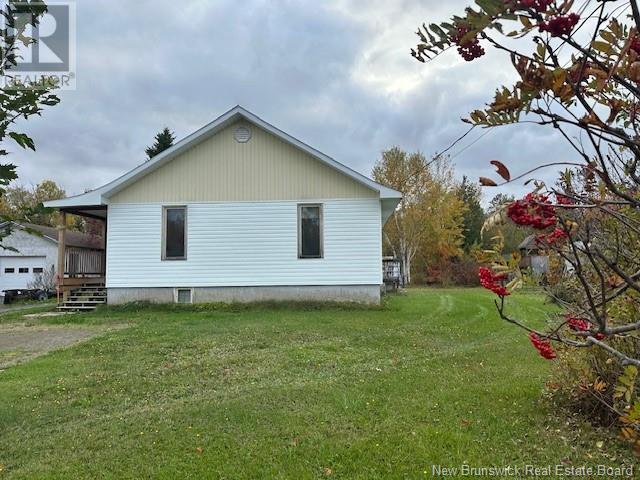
{"x": 429, "y": 217}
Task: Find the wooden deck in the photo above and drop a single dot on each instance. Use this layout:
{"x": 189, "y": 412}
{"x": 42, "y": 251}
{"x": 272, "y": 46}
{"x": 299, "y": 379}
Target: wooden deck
{"x": 82, "y": 267}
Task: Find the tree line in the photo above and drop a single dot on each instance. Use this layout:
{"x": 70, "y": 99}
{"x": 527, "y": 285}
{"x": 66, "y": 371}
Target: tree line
{"x": 436, "y": 231}
{"x": 22, "y": 203}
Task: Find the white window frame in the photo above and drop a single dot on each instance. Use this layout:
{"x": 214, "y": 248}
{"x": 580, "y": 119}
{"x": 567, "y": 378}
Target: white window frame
{"x": 164, "y": 231}
{"x": 321, "y": 210}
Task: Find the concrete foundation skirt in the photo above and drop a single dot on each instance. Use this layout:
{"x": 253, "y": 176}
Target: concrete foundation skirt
{"x": 369, "y": 294}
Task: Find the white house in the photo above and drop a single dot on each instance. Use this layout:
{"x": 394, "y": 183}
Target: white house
{"x": 31, "y": 250}
{"x": 240, "y": 211}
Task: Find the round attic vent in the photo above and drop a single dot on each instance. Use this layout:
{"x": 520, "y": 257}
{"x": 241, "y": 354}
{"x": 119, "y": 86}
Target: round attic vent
{"x": 242, "y": 134}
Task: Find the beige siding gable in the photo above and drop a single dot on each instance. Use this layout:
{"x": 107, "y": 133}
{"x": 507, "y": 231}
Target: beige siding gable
{"x": 220, "y": 169}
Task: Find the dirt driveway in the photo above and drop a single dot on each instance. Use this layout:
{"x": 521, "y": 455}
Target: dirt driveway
{"x": 19, "y": 343}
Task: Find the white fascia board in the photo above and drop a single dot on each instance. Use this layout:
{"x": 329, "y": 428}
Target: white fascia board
{"x": 101, "y": 195}
{"x": 89, "y": 199}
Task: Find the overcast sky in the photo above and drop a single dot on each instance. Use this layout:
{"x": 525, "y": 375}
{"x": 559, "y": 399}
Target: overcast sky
{"x": 336, "y": 74}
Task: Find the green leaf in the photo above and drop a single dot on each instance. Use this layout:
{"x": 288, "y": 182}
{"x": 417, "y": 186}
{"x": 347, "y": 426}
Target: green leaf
{"x": 23, "y": 140}
{"x": 7, "y": 173}
{"x": 603, "y": 47}
{"x": 526, "y": 23}
{"x": 491, "y": 7}
{"x": 608, "y": 36}
{"x": 438, "y": 31}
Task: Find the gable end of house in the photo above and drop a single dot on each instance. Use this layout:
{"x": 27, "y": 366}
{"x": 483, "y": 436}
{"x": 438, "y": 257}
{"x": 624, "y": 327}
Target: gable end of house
{"x": 242, "y": 162}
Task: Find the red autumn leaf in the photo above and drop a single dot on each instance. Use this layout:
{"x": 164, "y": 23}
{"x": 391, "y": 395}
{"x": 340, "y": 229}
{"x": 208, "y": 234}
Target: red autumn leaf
{"x": 487, "y": 182}
{"x": 502, "y": 170}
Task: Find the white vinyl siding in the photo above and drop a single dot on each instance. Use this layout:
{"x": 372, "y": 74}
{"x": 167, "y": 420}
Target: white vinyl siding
{"x": 245, "y": 244}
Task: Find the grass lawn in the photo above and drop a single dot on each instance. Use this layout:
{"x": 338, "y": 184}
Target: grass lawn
{"x": 433, "y": 377}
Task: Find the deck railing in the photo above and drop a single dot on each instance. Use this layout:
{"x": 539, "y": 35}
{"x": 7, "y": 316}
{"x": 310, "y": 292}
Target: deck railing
{"x": 84, "y": 262}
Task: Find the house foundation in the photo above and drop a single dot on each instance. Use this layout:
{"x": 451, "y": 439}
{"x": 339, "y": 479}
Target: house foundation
{"x": 366, "y": 294}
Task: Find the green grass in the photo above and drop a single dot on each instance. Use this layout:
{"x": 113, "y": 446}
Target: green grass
{"x": 433, "y": 377}
{"x": 11, "y": 316}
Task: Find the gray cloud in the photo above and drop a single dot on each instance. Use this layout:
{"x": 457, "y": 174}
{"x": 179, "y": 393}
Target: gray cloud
{"x": 335, "y": 74}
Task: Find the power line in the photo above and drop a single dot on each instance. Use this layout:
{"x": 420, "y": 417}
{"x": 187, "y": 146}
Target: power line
{"x": 489, "y": 130}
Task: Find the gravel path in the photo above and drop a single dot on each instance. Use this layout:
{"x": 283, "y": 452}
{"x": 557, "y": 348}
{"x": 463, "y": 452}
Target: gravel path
{"x": 19, "y": 343}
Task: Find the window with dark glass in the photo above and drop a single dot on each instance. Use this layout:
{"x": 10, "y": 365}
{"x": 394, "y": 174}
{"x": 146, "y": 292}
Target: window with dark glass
{"x": 175, "y": 233}
{"x": 309, "y": 231}
{"x": 23, "y": 270}
{"x": 38, "y": 270}
{"x": 9, "y": 270}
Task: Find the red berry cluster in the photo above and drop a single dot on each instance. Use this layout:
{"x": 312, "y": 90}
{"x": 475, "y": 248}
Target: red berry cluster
{"x": 635, "y": 44}
{"x": 577, "y": 324}
{"x": 491, "y": 281}
{"x": 561, "y": 25}
{"x": 553, "y": 237}
{"x": 563, "y": 199}
{"x": 469, "y": 50}
{"x": 543, "y": 346}
{"x": 581, "y": 325}
{"x": 534, "y": 210}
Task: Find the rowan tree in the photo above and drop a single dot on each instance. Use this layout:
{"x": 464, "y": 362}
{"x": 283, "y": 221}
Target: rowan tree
{"x": 578, "y": 70}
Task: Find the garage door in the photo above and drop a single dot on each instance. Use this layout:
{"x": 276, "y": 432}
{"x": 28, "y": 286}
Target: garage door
{"x": 17, "y": 272}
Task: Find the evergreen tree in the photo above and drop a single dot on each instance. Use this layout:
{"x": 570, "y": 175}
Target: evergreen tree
{"x": 474, "y": 216}
{"x": 163, "y": 141}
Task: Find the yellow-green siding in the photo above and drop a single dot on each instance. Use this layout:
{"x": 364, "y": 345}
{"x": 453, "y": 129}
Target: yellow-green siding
{"x": 221, "y": 169}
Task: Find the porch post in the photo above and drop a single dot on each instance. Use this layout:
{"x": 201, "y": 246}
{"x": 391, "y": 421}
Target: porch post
{"x": 62, "y": 230}
{"x": 104, "y": 245}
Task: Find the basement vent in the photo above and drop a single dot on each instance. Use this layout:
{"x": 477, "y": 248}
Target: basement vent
{"x": 242, "y": 134}
{"x": 184, "y": 295}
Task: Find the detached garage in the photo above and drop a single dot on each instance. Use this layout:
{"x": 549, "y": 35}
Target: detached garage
{"x": 36, "y": 251}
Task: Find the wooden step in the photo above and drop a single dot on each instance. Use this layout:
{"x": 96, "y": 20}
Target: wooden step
{"x": 84, "y": 302}
{"x": 84, "y": 299}
{"x": 87, "y": 295}
{"x": 64, "y": 308}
